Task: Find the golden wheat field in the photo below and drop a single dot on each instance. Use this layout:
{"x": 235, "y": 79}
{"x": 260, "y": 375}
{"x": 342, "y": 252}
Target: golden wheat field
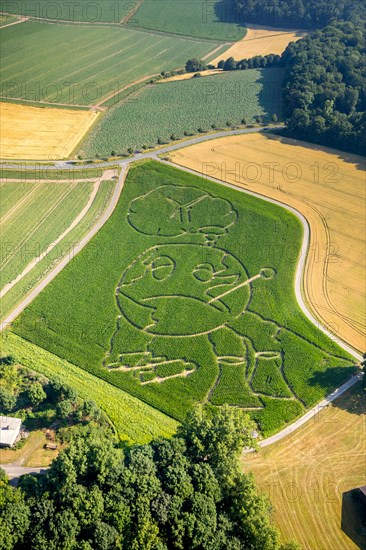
{"x": 328, "y": 188}
{"x": 41, "y": 133}
{"x": 261, "y": 41}
{"x": 188, "y": 76}
{"x": 309, "y": 476}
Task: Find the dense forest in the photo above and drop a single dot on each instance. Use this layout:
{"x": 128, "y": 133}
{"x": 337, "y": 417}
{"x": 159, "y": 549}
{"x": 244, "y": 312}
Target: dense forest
{"x": 324, "y": 88}
{"x": 300, "y": 13}
{"x": 182, "y": 493}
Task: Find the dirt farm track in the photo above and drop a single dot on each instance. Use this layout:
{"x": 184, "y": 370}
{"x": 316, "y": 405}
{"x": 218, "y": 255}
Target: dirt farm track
{"x": 328, "y": 188}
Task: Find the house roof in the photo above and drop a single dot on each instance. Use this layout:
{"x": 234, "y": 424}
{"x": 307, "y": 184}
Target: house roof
{"x": 9, "y": 430}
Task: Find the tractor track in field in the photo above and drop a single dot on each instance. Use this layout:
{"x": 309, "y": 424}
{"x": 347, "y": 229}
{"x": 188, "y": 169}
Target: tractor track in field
{"x": 22, "y": 20}
{"x": 105, "y": 176}
{"x": 84, "y": 241}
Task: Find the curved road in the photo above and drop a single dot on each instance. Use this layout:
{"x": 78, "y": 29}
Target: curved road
{"x": 299, "y": 270}
{"x": 139, "y": 156}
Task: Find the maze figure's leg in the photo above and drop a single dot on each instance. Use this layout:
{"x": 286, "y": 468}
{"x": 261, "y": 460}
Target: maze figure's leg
{"x": 231, "y": 385}
{"x": 126, "y": 340}
{"x": 267, "y": 376}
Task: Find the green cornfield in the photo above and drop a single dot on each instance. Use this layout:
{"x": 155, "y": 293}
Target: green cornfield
{"x": 186, "y": 295}
{"x": 162, "y": 110}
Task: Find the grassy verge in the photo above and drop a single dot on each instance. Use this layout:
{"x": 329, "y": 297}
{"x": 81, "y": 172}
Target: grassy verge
{"x": 134, "y": 421}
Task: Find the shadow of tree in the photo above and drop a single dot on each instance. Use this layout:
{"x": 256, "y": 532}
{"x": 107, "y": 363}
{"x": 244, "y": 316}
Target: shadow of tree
{"x": 353, "y": 522}
{"x": 353, "y": 400}
{"x": 227, "y": 11}
{"x": 357, "y": 160}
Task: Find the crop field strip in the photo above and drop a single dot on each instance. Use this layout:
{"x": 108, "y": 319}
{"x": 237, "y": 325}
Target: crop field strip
{"x": 65, "y": 211}
{"x": 133, "y": 420}
{"x": 82, "y": 10}
{"x": 310, "y": 475}
{"x": 333, "y": 281}
{"x": 160, "y": 110}
{"x": 47, "y": 213}
{"x": 233, "y": 352}
{"x": 89, "y": 74}
{"x": 41, "y": 133}
{"x": 190, "y": 18}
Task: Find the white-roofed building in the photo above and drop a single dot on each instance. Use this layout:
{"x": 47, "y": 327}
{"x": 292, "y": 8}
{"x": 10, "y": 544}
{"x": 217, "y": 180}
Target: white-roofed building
{"x": 9, "y": 430}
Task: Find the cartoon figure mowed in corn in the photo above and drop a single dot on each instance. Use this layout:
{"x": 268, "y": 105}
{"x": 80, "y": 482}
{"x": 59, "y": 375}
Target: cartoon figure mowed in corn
{"x": 185, "y": 290}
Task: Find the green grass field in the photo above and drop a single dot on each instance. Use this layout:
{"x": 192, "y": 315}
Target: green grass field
{"x": 133, "y": 420}
{"x": 30, "y": 245}
{"x": 80, "y": 10}
{"x": 160, "y": 110}
{"x": 103, "y": 60}
{"x": 33, "y": 215}
{"x": 213, "y": 20}
{"x": 186, "y": 295}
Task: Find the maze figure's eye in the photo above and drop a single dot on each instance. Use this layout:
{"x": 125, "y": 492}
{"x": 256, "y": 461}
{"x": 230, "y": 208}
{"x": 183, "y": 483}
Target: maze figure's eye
{"x": 204, "y": 273}
{"x": 162, "y": 268}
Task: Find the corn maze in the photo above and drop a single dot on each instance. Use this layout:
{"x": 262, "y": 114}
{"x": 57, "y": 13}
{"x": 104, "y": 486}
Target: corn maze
{"x": 188, "y": 305}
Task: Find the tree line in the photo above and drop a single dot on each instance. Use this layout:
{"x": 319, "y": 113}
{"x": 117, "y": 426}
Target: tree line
{"x": 187, "y": 492}
{"x": 300, "y": 13}
{"x": 324, "y": 87}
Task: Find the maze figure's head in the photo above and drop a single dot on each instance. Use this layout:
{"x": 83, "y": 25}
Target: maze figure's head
{"x": 183, "y": 290}
{"x": 174, "y": 210}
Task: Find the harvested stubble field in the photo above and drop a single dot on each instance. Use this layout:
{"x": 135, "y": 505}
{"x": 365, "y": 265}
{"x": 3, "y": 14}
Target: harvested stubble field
{"x": 82, "y": 10}
{"x": 35, "y": 214}
{"x": 328, "y": 188}
{"x": 189, "y": 305}
{"x": 41, "y": 133}
{"x": 191, "y": 18}
{"x": 158, "y": 111}
{"x": 103, "y": 60}
{"x": 188, "y": 76}
{"x": 133, "y": 420}
{"x": 261, "y": 41}
{"x": 309, "y": 476}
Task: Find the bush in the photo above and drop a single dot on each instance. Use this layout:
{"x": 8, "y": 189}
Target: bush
{"x": 57, "y": 390}
{"x": 36, "y": 393}
{"x": 7, "y": 400}
{"x": 64, "y": 409}
{"x": 195, "y": 64}
{"x": 7, "y": 360}
{"x": 230, "y": 64}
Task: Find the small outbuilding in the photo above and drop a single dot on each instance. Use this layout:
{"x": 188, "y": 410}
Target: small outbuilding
{"x": 9, "y": 430}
